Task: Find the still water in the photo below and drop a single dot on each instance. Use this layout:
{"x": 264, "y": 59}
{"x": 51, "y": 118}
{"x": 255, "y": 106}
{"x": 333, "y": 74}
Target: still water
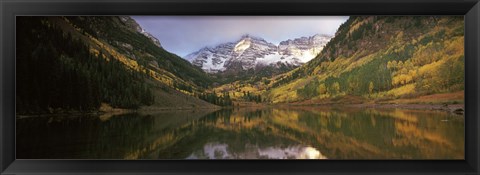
{"x": 246, "y": 133}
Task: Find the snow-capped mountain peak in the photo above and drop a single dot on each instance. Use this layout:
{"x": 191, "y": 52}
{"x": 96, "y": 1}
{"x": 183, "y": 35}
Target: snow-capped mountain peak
{"x": 242, "y": 46}
{"x": 304, "y": 48}
{"x": 250, "y": 52}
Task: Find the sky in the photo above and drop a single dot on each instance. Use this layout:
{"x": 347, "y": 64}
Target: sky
{"x": 183, "y": 35}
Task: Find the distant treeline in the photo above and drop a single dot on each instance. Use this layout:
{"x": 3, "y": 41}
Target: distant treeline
{"x": 225, "y": 100}
{"x": 222, "y": 100}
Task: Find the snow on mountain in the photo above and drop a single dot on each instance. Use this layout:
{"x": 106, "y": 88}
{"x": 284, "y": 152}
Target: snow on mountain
{"x": 304, "y": 48}
{"x": 212, "y": 59}
{"x": 250, "y": 52}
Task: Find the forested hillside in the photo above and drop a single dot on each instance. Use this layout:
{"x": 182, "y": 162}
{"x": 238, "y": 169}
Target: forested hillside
{"x": 81, "y": 63}
{"x": 381, "y": 58}
{"x": 78, "y": 63}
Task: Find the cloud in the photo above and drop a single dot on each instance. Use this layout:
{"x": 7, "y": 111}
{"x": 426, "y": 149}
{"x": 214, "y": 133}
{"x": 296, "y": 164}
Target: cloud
{"x": 186, "y": 34}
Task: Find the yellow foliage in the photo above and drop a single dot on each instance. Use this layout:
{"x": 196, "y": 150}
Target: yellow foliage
{"x": 428, "y": 70}
{"x": 455, "y": 46}
{"x": 396, "y": 92}
{"x": 370, "y": 87}
{"x": 359, "y": 23}
{"x": 401, "y": 79}
{"x": 322, "y": 89}
{"x": 158, "y": 74}
{"x": 423, "y": 68}
{"x": 336, "y": 87}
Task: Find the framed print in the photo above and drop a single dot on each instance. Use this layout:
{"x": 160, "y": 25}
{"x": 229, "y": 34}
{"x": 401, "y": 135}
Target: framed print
{"x": 234, "y": 87}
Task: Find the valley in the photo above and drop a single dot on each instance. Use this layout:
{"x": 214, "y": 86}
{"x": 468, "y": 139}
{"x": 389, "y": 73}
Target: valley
{"x": 102, "y": 87}
{"x": 379, "y": 60}
{"x": 370, "y": 60}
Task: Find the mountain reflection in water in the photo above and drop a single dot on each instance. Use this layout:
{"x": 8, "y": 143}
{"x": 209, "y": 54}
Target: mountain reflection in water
{"x": 220, "y": 151}
{"x": 246, "y": 133}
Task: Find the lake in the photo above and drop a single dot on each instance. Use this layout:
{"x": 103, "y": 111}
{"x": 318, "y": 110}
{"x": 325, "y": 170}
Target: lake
{"x": 245, "y": 133}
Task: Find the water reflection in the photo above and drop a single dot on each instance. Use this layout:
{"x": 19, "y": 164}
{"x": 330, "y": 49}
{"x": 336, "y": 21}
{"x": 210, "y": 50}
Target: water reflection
{"x": 268, "y": 133}
{"x": 221, "y": 151}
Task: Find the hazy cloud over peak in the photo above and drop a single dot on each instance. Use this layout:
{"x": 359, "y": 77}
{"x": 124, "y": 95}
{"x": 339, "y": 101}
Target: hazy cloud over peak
{"x": 185, "y": 34}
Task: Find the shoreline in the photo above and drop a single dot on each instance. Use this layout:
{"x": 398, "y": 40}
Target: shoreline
{"x": 116, "y": 111}
{"x": 457, "y": 109}
{"x": 451, "y": 108}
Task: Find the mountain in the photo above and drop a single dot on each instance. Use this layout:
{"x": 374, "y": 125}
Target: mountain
{"x": 82, "y": 63}
{"x": 255, "y": 53}
{"x": 304, "y": 48}
{"x": 380, "y": 58}
{"x": 79, "y": 63}
{"x": 130, "y": 40}
{"x": 130, "y": 22}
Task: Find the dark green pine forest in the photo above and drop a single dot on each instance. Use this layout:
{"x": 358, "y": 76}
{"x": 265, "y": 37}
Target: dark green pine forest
{"x": 56, "y": 71}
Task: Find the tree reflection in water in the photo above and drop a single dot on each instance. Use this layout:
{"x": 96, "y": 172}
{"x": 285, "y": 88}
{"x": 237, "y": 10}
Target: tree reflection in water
{"x": 247, "y": 133}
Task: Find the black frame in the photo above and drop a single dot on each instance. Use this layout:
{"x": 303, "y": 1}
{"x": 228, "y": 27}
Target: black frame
{"x": 9, "y": 9}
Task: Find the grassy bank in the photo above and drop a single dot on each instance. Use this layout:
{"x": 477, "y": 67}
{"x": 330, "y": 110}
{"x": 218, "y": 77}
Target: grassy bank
{"x": 449, "y": 102}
